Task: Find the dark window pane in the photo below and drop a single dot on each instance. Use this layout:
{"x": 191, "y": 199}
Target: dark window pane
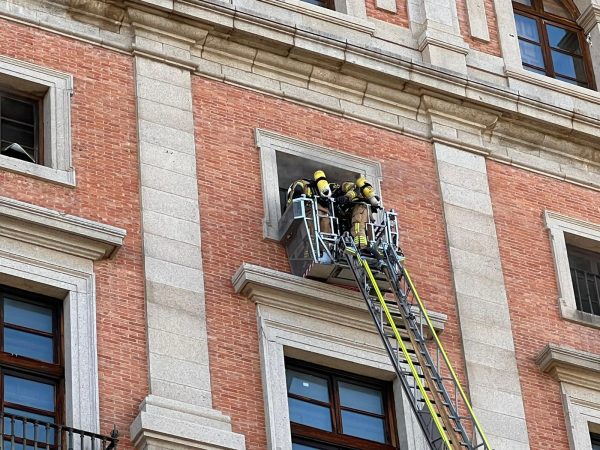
{"x": 30, "y": 393}
{"x": 563, "y": 39}
{"x": 531, "y": 54}
{"x": 303, "y": 447}
{"x": 31, "y": 345}
{"x": 324, "y": 4}
{"x": 18, "y": 110}
{"x": 14, "y": 132}
{"x": 33, "y": 431}
{"x": 595, "y": 438}
{"x": 28, "y": 315}
{"x": 309, "y": 414}
{"x": 360, "y": 397}
{"x": 527, "y": 28}
{"x": 570, "y": 66}
{"x": 307, "y": 385}
{"x": 362, "y": 426}
{"x": 557, "y": 8}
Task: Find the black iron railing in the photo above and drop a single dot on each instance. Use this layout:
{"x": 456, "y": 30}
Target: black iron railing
{"x": 587, "y": 291}
{"x": 26, "y": 433}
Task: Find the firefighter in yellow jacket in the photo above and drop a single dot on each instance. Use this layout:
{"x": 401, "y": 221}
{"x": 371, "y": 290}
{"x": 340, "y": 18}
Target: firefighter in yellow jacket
{"x": 317, "y": 189}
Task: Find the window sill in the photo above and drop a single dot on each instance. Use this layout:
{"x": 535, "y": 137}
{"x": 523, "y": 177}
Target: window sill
{"x": 580, "y": 317}
{"x": 63, "y": 177}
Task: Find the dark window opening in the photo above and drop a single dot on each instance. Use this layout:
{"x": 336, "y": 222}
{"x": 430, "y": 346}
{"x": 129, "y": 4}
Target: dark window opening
{"x": 334, "y": 410}
{"x": 551, "y": 42}
{"x": 20, "y": 128}
{"x": 585, "y": 275}
{"x": 31, "y": 365}
{"x": 329, "y": 4}
{"x": 595, "y": 438}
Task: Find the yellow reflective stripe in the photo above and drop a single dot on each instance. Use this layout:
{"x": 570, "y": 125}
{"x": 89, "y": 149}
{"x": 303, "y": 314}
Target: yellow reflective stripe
{"x": 413, "y": 369}
{"x": 447, "y": 360}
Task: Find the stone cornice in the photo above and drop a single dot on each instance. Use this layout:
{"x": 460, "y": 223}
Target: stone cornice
{"x": 300, "y": 295}
{"x": 62, "y": 232}
{"x": 589, "y": 18}
{"x": 570, "y": 365}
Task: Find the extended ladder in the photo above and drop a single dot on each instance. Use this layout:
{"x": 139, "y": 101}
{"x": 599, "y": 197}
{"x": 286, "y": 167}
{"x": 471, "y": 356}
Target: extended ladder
{"x": 427, "y": 377}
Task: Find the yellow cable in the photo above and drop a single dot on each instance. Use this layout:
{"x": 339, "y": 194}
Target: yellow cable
{"x": 405, "y": 352}
{"x": 437, "y": 340}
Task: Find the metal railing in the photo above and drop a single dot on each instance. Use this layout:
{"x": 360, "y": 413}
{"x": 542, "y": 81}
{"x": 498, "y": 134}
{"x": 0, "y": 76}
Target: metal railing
{"x": 26, "y": 433}
{"x": 586, "y": 286}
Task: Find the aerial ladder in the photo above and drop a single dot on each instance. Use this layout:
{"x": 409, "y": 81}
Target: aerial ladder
{"x": 422, "y": 366}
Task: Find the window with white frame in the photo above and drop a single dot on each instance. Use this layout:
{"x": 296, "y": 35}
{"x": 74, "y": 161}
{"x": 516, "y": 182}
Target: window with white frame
{"x": 576, "y": 251}
{"x": 284, "y": 159}
{"x": 35, "y": 121}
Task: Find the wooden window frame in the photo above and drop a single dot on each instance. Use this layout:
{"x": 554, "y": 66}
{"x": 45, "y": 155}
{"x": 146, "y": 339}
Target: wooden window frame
{"x": 541, "y": 17}
{"x": 29, "y": 368}
{"x": 38, "y": 126}
{"x": 335, "y": 440}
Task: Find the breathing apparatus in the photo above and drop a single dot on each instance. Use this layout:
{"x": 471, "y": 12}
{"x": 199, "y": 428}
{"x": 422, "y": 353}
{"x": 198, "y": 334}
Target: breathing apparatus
{"x": 322, "y": 184}
{"x": 367, "y": 191}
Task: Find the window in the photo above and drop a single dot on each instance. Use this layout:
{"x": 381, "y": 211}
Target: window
{"x": 595, "y": 438}
{"x": 19, "y": 124}
{"x": 331, "y": 410}
{"x": 329, "y": 4}
{"x": 585, "y": 274}
{"x": 31, "y": 368}
{"x": 551, "y": 42}
{"x": 35, "y": 114}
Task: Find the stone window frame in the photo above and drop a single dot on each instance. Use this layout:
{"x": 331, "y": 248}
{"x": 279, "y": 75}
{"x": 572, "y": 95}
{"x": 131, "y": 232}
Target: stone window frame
{"x": 557, "y": 225}
{"x": 578, "y": 373}
{"x": 269, "y": 143}
{"x": 55, "y": 90}
{"x": 46, "y": 252}
{"x": 295, "y": 320}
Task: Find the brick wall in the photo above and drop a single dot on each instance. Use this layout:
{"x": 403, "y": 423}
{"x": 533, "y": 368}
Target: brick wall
{"x": 231, "y": 223}
{"x": 105, "y": 160}
{"x": 519, "y": 199}
{"x": 400, "y": 17}
{"x": 493, "y": 46}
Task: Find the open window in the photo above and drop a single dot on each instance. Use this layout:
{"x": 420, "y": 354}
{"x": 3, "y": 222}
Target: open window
{"x": 551, "y": 42}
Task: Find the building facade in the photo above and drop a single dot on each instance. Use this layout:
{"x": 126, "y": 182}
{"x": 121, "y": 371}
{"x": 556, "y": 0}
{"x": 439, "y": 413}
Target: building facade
{"x": 143, "y": 283}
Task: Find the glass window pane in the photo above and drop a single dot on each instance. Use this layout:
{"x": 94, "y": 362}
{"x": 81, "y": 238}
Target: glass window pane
{"x": 309, "y": 414}
{"x": 362, "y": 426}
{"x": 14, "y": 132}
{"x": 531, "y": 54}
{"x": 531, "y": 69}
{"x": 527, "y": 28}
{"x": 576, "y": 83}
{"x": 18, "y": 110}
{"x": 21, "y": 343}
{"x": 557, "y": 8}
{"x": 29, "y": 393}
{"x": 360, "y": 397}
{"x": 307, "y": 385}
{"x": 318, "y": 3}
{"x": 33, "y": 432}
{"x": 570, "y": 66}
{"x": 563, "y": 39}
{"x": 28, "y": 315}
{"x": 296, "y": 446}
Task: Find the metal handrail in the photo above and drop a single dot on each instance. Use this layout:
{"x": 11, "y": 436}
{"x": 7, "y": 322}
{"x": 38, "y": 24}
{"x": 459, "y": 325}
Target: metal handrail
{"x": 26, "y": 433}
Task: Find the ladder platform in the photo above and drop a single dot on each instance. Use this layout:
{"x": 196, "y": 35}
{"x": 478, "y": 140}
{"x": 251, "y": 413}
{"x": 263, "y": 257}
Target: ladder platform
{"x": 341, "y": 274}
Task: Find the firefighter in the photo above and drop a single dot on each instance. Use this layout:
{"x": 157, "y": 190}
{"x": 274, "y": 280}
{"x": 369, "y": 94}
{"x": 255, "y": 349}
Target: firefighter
{"x": 317, "y": 189}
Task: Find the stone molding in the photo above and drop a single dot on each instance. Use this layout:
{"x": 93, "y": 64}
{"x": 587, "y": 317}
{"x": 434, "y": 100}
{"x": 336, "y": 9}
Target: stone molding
{"x": 569, "y": 365}
{"x": 57, "y": 231}
{"x": 589, "y": 18}
{"x": 309, "y": 297}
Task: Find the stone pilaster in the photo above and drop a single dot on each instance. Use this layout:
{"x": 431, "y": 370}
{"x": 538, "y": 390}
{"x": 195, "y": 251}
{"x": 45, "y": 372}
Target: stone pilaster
{"x": 178, "y": 412}
{"x": 489, "y": 351}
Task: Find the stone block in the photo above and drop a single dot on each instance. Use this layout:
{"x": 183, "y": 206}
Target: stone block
{"x": 161, "y": 295}
{"x": 493, "y": 357}
{"x": 376, "y": 116}
{"x": 174, "y": 76}
{"x": 507, "y": 381}
{"x": 251, "y": 80}
{"x": 474, "y": 285}
{"x": 229, "y": 53}
{"x": 471, "y": 241}
{"x": 169, "y": 204}
{"x": 165, "y": 115}
{"x": 478, "y": 20}
{"x": 173, "y": 275}
{"x": 462, "y": 177}
{"x": 179, "y": 371}
{"x": 161, "y": 342}
{"x": 310, "y": 97}
{"x": 166, "y": 137}
{"x": 282, "y": 68}
{"x": 460, "y": 158}
{"x": 177, "y": 252}
{"x": 467, "y": 199}
{"x": 186, "y": 394}
{"x": 496, "y": 400}
{"x": 171, "y": 227}
{"x": 387, "y": 5}
{"x": 508, "y": 427}
{"x": 473, "y": 309}
{"x": 176, "y": 320}
{"x": 467, "y": 219}
{"x": 174, "y": 93}
{"x": 167, "y": 159}
{"x": 337, "y": 85}
{"x": 485, "y": 333}
{"x": 168, "y": 181}
{"x": 488, "y": 267}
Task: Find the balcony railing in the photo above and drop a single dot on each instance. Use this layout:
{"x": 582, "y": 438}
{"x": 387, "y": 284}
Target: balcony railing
{"x": 26, "y": 433}
{"x": 587, "y": 291}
